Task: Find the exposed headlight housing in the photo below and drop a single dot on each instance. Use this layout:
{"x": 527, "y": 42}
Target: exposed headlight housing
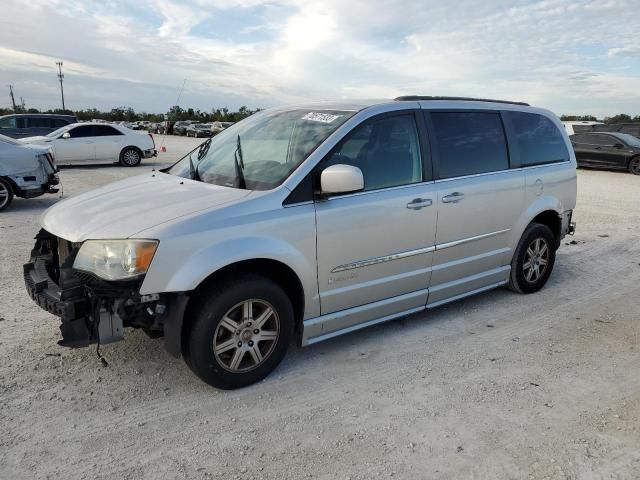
{"x": 116, "y": 259}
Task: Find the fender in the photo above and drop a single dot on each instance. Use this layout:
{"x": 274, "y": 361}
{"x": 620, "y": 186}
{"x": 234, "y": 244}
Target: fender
{"x": 212, "y": 258}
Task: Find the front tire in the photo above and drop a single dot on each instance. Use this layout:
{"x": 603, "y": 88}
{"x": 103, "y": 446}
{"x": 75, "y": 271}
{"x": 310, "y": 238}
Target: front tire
{"x": 130, "y": 157}
{"x": 240, "y": 333}
{"x": 6, "y": 194}
{"x": 634, "y": 165}
{"x": 533, "y": 259}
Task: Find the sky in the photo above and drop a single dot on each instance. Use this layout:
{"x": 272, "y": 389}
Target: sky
{"x": 571, "y": 56}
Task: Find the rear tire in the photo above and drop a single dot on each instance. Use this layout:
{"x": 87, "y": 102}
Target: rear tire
{"x": 240, "y": 333}
{"x": 533, "y": 259}
{"x": 634, "y": 165}
{"x": 130, "y": 157}
{"x": 6, "y": 194}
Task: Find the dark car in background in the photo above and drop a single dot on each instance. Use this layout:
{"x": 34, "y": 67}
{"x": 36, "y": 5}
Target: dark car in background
{"x": 198, "y": 130}
{"x": 33, "y": 124}
{"x": 611, "y": 150}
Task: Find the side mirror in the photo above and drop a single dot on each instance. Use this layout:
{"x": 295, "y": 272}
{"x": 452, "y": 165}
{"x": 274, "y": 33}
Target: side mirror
{"x": 618, "y": 145}
{"x": 66, "y": 135}
{"x": 341, "y": 178}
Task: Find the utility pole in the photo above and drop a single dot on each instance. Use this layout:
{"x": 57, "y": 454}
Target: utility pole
{"x": 13, "y": 100}
{"x": 22, "y": 103}
{"x": 61, "y": 77}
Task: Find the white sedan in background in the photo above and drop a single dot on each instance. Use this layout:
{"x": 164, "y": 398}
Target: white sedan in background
{"x": 95, "y": 143}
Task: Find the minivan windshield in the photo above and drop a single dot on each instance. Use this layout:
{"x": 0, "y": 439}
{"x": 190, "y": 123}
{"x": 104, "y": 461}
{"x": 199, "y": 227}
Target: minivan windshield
{"x": 261, "y": 151}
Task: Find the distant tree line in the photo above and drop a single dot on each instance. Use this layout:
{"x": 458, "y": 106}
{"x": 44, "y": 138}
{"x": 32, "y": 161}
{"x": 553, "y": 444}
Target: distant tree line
{"x": 620, "y": 118}
{"x": 128, "y": 114}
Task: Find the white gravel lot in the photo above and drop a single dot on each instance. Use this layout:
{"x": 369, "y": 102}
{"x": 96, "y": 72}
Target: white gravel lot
{"x": 498, "y": 386}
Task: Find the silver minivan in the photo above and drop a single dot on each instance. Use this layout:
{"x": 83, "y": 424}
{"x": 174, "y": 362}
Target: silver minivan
{"x": 307, "y": 222}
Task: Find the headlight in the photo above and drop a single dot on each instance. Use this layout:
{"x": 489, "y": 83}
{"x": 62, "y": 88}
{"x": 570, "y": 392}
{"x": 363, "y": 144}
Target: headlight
{"x": 116, "y": 259}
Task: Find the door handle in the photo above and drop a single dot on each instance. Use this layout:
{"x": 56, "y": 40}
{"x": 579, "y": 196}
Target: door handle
{"x": 454, "y": 197}
{"x": 418, "y": 203}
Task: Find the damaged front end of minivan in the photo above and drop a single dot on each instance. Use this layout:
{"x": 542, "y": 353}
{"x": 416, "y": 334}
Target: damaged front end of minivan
{"x": 94, "y": 288}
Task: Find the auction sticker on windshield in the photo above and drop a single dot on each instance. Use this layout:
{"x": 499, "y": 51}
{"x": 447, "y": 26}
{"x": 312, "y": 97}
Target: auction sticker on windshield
{"x": 320, "y": 117}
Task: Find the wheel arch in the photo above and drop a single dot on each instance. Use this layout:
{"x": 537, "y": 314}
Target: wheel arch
{"x": 274, "y": 270}
{"x": 631, "y": 159}
{"x": 551, "y": 219}
{"x": 546, "y": 210}
{"x": 11, "y": 182}
{"x": 135, "y": 147}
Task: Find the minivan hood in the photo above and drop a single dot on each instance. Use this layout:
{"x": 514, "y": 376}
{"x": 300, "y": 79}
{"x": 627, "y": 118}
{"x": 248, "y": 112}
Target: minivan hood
{"x": 124, "y": 208}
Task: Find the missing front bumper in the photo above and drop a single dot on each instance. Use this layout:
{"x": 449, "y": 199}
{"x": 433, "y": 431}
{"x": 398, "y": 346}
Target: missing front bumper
{"x": 92, "y": 310}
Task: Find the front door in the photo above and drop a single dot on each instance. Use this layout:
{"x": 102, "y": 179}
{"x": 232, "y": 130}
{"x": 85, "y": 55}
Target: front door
{"x": 479, "y": 201}
{"x": 79, "y": 148}
{"x": 375, "y": 247}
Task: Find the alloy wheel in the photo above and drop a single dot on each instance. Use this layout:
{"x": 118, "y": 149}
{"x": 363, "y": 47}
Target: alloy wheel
{"x": 4, "y": 195}
{"x": 246, "y": 335}
{"x": 634, "y": 166}
{"x": 536, "y": 259}
{"x": 131, "y": 157}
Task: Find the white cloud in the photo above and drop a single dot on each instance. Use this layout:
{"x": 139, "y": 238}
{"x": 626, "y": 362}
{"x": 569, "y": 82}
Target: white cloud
{"x": 571, "y": 56}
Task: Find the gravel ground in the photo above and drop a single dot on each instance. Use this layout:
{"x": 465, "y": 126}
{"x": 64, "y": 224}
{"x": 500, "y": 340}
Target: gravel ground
{"x": 499, "y": 386}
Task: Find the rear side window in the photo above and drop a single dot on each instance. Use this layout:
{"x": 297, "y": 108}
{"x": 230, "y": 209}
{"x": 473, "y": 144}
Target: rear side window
{"x": 387, "y": 151}
{"x": 59, "y": 122}
{"x": 469, "y": 143}
{"x": 579, "y": 138}
{"x": 538, "y": 139}
{"x": 104, "y": 131}
{"x": 601, "y": 140}
{"x": 39, "y": 122}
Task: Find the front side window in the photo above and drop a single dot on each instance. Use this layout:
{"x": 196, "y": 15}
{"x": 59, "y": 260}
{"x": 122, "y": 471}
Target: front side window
{"x": 469, "y": 143}
{"x": 387, "y": 151}
{"x": 538, "y": 139}
{"x": 628, "y": 139}
{"x": 81, "y": 132}
{"x": 261, "y": 151}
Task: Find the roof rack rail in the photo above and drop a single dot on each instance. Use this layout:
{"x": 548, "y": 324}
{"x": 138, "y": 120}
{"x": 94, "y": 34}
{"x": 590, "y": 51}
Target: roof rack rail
{"x": 466, "y": 99}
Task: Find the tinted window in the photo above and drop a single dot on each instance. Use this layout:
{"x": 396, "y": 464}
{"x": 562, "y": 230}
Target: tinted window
{"x": 579, "y": 138}
{"x": 538, "y": 139}
{"x": 386, "y": 150}
{"x": 601, "y": 140}
{"x": 81, "y": 132}
{"x": 39, "y": 122}
{"x": 8, "y": 122}
{"x": 469, "y": 143}
{"x": 104, "y": 131}
{"x": 59, "y": 122}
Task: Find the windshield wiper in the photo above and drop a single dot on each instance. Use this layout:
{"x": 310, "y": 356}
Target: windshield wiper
{"x": 193, "y": 170}
{"x": 239, "y": 162}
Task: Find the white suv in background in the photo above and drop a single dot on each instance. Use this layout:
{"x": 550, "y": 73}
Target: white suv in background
{"x": 311, "y": 221}
{"x": 95, "y": 143}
